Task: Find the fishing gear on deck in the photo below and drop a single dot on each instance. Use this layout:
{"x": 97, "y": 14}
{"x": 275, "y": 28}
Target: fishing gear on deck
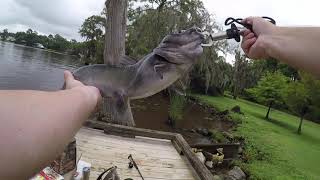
{"x": 132, "y": 164}
{"x": 233, "y": 33}
{"x": 111, "y": 174}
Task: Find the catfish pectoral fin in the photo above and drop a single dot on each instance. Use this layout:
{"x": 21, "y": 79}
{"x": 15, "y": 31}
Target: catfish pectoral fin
{"x": 159, "y": 68}
{"x": 119, "y": 107}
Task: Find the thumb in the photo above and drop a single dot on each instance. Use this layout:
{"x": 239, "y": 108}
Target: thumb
{"x": 249, "y": 20}
{"x": 68, "y": 76}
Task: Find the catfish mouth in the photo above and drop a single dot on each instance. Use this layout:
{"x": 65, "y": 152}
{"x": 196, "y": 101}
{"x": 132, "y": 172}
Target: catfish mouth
{"x": 184, "y": 38}
{"x": 181, "y": 48}
{"x": 178, "y": 56}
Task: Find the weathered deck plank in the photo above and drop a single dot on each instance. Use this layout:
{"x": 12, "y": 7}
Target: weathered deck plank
{"x": 118, "y": 142}
{"x": 157, "y": 159}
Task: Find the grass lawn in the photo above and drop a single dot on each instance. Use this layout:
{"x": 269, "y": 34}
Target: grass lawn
{"x": 273, "y": 149}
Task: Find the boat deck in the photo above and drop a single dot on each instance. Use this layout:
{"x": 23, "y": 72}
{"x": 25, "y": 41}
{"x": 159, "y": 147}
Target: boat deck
{"x": 156, "y": 158}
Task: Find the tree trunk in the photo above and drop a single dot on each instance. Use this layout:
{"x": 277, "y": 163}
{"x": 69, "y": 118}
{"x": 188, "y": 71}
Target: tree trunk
{"x": 235, "y": 93}
{"x": 114, "y": 49}
{"x": 300, "y": 125}
{"x": 269, "y": 109}
{"x": 115, "y": 31}
{"x": 303, "y": 113}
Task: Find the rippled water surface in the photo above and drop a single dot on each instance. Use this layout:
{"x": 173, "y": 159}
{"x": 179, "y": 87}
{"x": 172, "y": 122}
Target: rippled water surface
{"x": 35, "y": 69}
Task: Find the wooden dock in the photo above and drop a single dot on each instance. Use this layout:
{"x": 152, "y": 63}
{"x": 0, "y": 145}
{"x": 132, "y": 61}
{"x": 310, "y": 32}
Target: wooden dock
{"x": 157, "y": 159}
{"x": 159, "y": 155}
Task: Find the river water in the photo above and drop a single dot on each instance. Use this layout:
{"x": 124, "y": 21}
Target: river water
{"x": 29, "y": 68}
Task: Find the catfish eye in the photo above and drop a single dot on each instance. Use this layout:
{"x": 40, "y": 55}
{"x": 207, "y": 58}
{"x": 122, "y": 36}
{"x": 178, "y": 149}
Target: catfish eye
{"x": 182, "y": 31}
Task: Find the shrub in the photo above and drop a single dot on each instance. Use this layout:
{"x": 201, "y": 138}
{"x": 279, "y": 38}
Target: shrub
{"x": 177, "y": 104}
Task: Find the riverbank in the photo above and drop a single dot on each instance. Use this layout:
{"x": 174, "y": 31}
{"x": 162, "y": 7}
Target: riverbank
{"x": 199, "y": 124}
{"x": 273, "y": 150}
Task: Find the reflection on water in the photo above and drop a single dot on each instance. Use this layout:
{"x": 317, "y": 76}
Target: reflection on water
{"x": 29, "y": 68}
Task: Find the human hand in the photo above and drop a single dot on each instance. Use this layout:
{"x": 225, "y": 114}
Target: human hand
{"x": 253, "y": 43}
{"x": 92, "y": 92}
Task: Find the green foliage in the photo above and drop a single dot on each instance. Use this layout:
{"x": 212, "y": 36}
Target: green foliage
{"x": 246, "y": 74}
{"x": 93, "y": 30}
{"x": 29, "y": 38}
{"x": 296, "y": 97}
{"x": 236, "y": 117}
{"x": 312, "y": 87}
{"x": 212, "y": 74}
{"x": 218, "y": 136}
{"x": 99, "y": 52}
{"x": 93, "y": 27}
{"x": 177, "y": 104}
{"x": 270, "y": 89}
{"x": 313, "y": 113}
{"x": 58, "y": 43}
{"x": 273, "y": 65}
{"x": 256, "y": 69}
{"x": 151, "y": 20}
{"x": 293, "y": 91}
{"x": 272, "y": 147}
{"x": 91, "y": 50}
{"x": 77, "y": 48}
{"x": 240, "y": 74}
{"x": 288, "y": 71}
{"x": 32, "y": 38}
{"x": 4, "y": 35}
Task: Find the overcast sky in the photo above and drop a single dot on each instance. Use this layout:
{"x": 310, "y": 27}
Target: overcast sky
{"x": 48, "y": 16}
{"x": 66, "y": 16}
{"x": 285, "y": 12}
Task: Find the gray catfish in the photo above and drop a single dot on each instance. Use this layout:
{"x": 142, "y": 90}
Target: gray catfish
{"x": 166, "y": 64}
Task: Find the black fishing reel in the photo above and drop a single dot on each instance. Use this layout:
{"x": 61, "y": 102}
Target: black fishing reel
{"x": 234, "y": 32}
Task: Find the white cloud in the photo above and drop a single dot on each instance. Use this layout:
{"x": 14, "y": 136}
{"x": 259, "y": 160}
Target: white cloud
{"x": 286, "y": 13}
{"x": 48, "y": 17}
{"x": 66, "y": 16}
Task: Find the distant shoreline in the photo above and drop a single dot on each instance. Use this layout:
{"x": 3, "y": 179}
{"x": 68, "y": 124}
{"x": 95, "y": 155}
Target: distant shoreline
{"x": 46, "y": 50}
